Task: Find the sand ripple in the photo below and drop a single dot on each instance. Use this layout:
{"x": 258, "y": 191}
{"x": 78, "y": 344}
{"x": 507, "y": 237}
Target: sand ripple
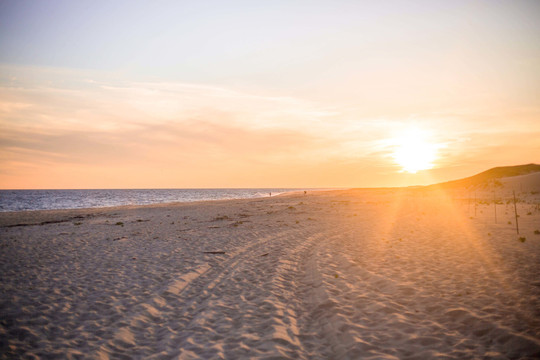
{"x": 339, "y": 275}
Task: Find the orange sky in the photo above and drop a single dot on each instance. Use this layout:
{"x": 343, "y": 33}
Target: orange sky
{"x": 266, "y": 97}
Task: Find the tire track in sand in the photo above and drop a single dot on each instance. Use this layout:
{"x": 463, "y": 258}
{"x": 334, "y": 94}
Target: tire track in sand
{"x": 245, "y": 292}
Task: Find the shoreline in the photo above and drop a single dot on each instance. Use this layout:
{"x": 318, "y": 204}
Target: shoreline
{"x": 160, "y": 203}
{"x": 8, "y": 217}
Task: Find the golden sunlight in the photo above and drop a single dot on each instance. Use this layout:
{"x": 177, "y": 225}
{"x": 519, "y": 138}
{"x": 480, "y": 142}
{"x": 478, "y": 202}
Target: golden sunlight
{"x": 414, "y": 151}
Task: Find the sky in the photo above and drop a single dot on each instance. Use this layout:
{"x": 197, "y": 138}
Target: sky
{"x": 215, "y": 94}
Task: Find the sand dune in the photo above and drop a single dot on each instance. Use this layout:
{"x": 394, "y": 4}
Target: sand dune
{"x": 359, "y": 274}
{"x": 522, "y": 183}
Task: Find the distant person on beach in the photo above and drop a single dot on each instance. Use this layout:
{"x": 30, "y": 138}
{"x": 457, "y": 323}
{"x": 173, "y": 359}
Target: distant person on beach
{"x": 305, "y": 192}
{"x": 270, "y": 193}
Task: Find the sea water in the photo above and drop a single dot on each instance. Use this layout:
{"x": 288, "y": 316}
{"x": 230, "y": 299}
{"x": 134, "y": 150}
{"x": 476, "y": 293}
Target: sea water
{"x": 19, "y": 200}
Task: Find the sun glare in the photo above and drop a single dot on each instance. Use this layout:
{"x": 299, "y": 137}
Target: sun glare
{"x": 414, "y": 151}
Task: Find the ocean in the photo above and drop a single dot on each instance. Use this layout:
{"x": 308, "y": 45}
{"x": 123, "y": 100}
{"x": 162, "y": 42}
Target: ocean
{"x": 20, "y": 200}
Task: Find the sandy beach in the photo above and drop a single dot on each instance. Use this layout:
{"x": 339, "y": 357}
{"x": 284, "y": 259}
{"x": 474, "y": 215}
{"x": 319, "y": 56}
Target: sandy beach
{"x": 356, "y": 274}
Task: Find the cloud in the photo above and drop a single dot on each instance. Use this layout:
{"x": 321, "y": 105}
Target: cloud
{"x": 98, "y": 124}
{"x": 72, "y": 116}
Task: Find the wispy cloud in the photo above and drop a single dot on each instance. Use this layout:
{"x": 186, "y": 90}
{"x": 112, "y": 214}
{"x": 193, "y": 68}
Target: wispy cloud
{"x": 75, "y": 119}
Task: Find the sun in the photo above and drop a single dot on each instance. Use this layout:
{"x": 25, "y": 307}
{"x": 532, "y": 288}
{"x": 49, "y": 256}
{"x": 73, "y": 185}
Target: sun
{"x": 414, "y": 151}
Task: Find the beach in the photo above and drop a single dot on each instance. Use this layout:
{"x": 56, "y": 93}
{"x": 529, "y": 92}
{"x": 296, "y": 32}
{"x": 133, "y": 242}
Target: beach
{"x": 345, "y": 274}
